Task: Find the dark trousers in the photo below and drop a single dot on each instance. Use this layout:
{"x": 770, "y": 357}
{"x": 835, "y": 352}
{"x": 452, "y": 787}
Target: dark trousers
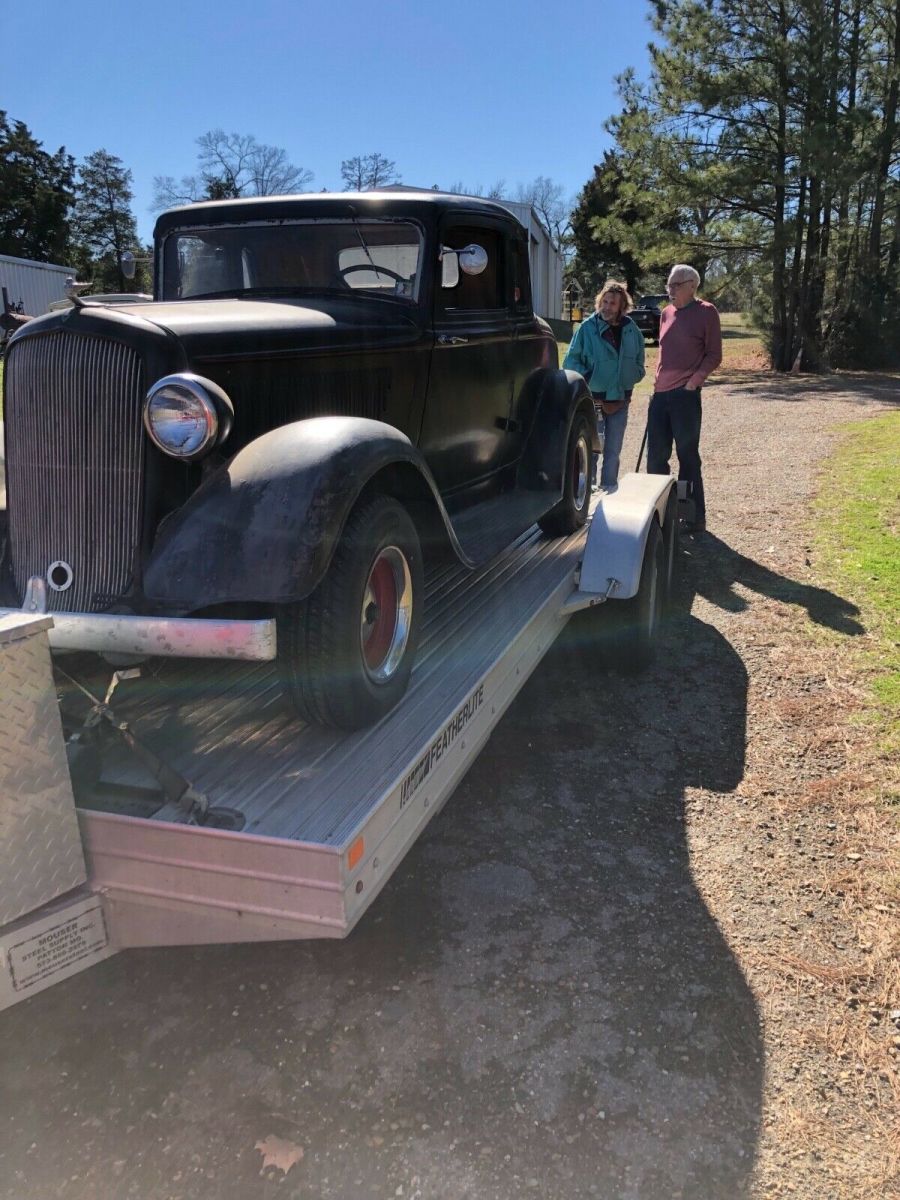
{"x": 676, "y": 415}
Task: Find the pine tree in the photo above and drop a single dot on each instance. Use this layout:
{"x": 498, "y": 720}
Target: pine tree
{"x": 35, "y": 196}
{"x": 103, "y": 224}
{"x": 765, "y": 141}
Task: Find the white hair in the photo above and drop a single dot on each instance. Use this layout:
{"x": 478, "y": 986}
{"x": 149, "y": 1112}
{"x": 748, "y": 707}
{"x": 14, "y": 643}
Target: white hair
{"x": 684, "y": 271}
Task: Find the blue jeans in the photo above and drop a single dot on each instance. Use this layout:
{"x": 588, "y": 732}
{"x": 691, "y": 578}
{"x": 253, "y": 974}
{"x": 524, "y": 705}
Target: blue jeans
{"x": 612, "y": 429}
{"x": 676, "y": 415}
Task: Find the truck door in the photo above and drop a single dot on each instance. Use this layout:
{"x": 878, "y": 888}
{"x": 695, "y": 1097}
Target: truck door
{"x": 465, "y": 431}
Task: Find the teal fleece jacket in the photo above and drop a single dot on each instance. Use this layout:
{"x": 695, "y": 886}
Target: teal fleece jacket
{"x": 598, "y": 362}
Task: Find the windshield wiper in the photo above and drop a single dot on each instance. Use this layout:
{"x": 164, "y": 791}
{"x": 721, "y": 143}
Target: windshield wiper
{"x": 362, "y": 241}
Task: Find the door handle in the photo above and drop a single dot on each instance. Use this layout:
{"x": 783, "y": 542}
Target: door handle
{"x": 449, "y": 339}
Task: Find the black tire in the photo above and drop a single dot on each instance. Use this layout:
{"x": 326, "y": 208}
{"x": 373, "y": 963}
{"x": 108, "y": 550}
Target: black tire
{"x": 572, "y": 511}
{"x": 346, "y": 652}
{"x": 638, "y": 619}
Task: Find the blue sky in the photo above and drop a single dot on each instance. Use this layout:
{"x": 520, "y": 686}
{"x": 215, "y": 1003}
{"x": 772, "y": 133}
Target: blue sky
{"x": 470, "y": 91}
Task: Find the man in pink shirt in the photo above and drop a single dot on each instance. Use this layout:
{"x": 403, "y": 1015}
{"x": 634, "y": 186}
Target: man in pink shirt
{"x": 690, "y": 349}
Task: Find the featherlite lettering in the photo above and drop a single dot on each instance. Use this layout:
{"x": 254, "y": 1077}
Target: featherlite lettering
{"x": 441, "y": 743}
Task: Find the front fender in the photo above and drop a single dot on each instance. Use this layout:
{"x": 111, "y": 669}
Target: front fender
{"x": 263, "y": 527}
{"x": 560, "y": 394}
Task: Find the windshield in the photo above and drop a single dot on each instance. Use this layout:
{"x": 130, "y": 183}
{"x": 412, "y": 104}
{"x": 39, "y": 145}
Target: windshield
{"x": 377, "y": 257}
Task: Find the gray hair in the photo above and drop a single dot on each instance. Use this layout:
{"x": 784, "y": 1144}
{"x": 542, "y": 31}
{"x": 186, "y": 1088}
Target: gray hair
{"x": 684, "y": 272}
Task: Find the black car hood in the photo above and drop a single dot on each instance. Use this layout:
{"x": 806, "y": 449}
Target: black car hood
{"x": 222, "y": 329}
{"x": 218, "y": 330}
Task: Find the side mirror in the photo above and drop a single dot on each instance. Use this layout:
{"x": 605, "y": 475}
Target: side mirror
{"x": 473, "y": 260}
{"x": 449, "y": 267}
{"x": 129, "y": 265}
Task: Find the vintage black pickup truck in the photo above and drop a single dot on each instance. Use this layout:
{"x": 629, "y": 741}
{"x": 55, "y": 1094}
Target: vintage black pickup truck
{"x": 327, "y": 393}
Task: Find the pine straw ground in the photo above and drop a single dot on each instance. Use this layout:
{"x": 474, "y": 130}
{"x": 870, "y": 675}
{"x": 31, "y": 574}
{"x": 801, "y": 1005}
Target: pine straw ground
{"x": 799, "y": 865}
{"x": 805, "y": 889}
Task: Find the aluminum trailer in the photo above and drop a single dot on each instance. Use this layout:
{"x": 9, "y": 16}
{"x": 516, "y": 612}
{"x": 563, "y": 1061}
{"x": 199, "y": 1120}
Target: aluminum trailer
{"x": 325, "y": 816}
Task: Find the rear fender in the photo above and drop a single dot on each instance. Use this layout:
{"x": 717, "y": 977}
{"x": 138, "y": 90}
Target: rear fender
{"x": 560, "y": 395}
{"x": 263, "y": 527}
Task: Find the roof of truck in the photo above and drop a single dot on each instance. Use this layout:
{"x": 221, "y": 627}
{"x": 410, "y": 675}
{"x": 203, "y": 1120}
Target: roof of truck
{"x": 425, "y": 205}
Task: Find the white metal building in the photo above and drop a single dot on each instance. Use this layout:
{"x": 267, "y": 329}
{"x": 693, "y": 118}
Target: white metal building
{"x": 546, "y": 262}
{"x": 33, "y": 285}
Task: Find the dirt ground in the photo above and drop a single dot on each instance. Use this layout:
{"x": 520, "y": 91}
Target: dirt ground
{"x": 644, "y": 953}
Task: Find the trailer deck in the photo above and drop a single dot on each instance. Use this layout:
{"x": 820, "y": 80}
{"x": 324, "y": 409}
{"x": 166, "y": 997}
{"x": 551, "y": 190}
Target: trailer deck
{"x": 327, "y": 815}
{"x": 320, "y": 819}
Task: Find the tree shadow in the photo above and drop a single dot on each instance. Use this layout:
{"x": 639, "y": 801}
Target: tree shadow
{"x": 716, "y": 569}
{"x": 859, "y": 387}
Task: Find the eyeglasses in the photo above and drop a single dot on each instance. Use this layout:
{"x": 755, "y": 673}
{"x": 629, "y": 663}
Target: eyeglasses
{"x": 680, "y": 282}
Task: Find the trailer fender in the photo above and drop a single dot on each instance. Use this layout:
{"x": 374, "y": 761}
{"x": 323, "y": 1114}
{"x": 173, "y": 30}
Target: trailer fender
{"x": 618, "y": 533}
{"x": 558, "y": 396}
{"x": 263, "y": 526}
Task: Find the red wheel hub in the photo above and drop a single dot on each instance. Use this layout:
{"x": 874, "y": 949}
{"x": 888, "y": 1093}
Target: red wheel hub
{"x": 380, "y": 615}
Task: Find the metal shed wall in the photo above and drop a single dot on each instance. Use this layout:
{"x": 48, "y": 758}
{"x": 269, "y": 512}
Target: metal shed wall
{"x": 546, "y": 262}
{"x": 35, "y": 285}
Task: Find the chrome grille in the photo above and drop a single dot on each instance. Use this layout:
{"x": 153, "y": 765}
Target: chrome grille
{"x": 74, "y": 463}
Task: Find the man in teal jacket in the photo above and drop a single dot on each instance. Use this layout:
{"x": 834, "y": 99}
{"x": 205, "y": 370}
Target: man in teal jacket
{"x": 608, "y": 350}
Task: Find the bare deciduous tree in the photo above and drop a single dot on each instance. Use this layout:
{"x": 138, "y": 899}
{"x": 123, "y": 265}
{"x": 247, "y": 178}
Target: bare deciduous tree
{"x": 231, "y": 165}
{"x": 366, "y": 171}
{"x": 546, "y": 198}
{"x": 494, "y": 192}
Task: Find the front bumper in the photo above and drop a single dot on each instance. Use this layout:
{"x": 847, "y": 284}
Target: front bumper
{"x": 165, "y": 637}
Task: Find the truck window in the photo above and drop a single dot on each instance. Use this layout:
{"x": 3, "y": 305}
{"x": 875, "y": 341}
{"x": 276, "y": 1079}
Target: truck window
{"x": 484, "y": 291}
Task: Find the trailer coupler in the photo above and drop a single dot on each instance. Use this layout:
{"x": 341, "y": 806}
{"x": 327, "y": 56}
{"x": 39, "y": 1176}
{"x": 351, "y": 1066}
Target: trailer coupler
{"x": 176, "y": 789}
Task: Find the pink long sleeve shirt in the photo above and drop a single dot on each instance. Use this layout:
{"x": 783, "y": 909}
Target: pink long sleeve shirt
{"x": 690, "y": 345}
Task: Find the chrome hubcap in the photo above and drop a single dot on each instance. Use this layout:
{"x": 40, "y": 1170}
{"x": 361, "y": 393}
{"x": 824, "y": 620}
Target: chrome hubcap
{"x": 386, "y": 616}
{"x": 580, "y": 472}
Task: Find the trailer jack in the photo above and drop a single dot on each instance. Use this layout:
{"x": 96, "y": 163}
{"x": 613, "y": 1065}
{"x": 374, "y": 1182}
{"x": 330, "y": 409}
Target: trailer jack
{"x": 173, "y": 785}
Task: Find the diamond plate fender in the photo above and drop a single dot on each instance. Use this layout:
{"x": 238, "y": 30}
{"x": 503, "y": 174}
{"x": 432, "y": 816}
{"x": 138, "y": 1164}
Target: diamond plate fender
{"x": 41, "y": 854}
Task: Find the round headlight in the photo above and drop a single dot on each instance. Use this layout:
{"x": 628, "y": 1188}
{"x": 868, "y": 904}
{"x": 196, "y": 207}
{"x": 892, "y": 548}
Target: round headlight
{"x": 182, "y": 415}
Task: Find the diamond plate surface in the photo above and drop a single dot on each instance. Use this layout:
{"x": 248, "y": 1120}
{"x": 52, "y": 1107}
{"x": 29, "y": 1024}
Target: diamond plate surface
{"x": 40, "y": 848}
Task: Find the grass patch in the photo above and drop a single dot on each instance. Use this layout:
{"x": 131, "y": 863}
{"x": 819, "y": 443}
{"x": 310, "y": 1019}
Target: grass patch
{"x": 857, "y": 541}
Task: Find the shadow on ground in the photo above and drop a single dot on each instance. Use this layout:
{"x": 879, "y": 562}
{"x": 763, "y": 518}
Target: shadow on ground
{"x": 717, "y": 568}
{"x": 857, "y": 387}
{"x": 539, "y": 1003}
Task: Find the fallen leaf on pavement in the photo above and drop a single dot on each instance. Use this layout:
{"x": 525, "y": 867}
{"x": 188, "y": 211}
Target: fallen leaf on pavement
{"x": 280, "y": 1153}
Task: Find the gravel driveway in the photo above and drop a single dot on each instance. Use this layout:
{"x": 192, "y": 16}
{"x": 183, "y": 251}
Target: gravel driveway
{"x": 566, "y": 989}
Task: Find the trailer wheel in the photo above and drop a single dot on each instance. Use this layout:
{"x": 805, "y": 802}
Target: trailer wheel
{"x": 346, "y": 652}
{"x": 572, "y": 511}
{"x": 639, "y": 618}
